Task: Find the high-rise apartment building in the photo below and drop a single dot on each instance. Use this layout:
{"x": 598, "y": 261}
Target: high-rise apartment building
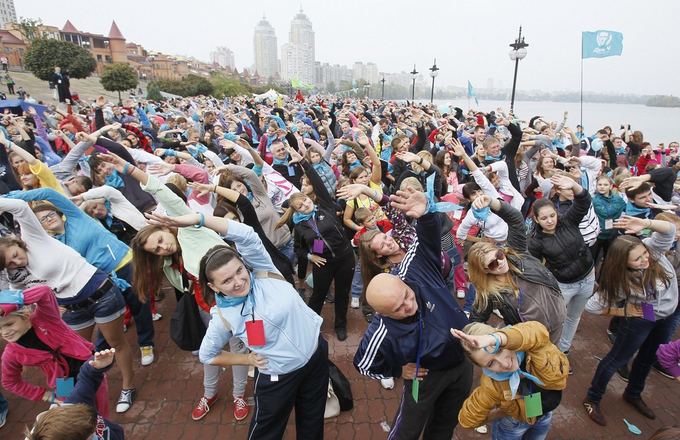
{"x": 8, "y": 14}
{"x": 223, "y": 57}
{"x": 297, "y": 56}
{"x": 264, "y": 42}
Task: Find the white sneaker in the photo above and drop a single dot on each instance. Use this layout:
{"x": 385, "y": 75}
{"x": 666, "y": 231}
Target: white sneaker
{"x": 147, "y": 355}
{"x": 481, "y": 429}
{"x": 460, "y": 293}
{"x": 127, "y": 397}
{"x": 156, "y": 316}
{"x": 355, "y": 302}
{"x": 388, "y": 383}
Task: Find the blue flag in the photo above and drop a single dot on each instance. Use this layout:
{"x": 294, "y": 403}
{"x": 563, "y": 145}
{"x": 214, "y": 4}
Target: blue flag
{"x": 600, "y": 44}
{"x": 471, "y": 93}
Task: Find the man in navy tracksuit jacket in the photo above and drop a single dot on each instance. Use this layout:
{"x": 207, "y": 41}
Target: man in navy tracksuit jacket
{"x": 414, "y": 314}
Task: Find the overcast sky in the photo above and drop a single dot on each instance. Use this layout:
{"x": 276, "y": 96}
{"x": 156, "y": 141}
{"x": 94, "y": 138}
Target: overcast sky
{"x": 469, "y": 39}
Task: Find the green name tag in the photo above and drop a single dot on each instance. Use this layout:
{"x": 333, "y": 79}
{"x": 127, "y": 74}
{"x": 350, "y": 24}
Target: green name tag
{"x": 415, "y": 385}
{"x": 533, "y": 405}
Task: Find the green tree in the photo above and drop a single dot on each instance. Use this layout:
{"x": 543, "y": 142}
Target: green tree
{"x": 196, "y": 85}
{"x": 119, "y": 77}
{"x": 330, "y": 87}
{"x": 29, "y": 28}
{"x": 228, "y": 86}
{"x": 153, "y": 92}
{"x": 43, "y": 55}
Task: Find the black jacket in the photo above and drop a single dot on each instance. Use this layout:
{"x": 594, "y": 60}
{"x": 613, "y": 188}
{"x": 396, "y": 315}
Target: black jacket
{"x": 329, "y": 225}
{"x": 565, "y": 253}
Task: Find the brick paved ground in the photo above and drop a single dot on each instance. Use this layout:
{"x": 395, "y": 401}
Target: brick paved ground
{"x": 169, "y": 388}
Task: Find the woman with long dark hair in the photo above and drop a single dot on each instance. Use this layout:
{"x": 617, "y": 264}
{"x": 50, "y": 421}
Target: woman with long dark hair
{"x": 645, "y": 294}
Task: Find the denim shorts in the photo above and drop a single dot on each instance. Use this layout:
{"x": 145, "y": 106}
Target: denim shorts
{"x": 108, "y": 308}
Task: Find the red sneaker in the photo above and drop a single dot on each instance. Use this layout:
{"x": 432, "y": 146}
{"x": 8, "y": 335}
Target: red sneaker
{"x": 241, "y": 408}
{"x": 202, "y": 407}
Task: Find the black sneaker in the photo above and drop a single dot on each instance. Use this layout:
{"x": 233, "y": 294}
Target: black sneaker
{"x": 341, "y": 333}
{"x": 661, "y": 370}
{"x": 624, "y": 372}
{"x": 127, "y": 397}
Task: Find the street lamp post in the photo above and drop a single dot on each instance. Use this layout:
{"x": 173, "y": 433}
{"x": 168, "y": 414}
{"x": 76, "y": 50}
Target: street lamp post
{"x": 383, "y": 87}
{"x": 414, "y": 75}
{"x": 517, "y": 53}
{"x": 434, "y": 71}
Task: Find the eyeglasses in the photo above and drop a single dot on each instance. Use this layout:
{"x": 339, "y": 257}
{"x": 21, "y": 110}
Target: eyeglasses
{"x": 493, "y": 265}
{"x": 50, "y": 215}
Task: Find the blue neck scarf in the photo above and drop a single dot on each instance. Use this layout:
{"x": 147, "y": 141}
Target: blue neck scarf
{"x": 354, "y": 165}
{"x": 224, "y": 301}
{"x": 432, "y": 204}
{"x": 298, "y": 217}
{"x": 481, "y": 214}
{"x": 109, "y": 217}
{"x": 513, "y": 377}
{"x": 283, "y": 162}
{"x": 493, "y": 158}
{"x": 197, "y": 149}
{"x": 114, "y": 180}
{"x": 634, "y": 211}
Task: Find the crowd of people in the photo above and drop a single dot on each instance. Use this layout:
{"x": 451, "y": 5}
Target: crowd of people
{"x": 464, "y": 238}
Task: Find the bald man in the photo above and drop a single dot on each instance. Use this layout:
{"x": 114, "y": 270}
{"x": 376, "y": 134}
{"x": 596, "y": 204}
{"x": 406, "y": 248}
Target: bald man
{"x": 410, "y": 332}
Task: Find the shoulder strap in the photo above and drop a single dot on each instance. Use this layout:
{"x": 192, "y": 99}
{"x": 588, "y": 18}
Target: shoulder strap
{"x": 224, "y": 321}
{"x": 265, "y": 274}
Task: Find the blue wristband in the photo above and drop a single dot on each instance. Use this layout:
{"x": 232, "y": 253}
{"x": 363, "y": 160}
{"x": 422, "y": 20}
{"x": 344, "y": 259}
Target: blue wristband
{"x": 126, "y": 168}
{"x": 201, "y": 221}
{"x": 497, "y": 345}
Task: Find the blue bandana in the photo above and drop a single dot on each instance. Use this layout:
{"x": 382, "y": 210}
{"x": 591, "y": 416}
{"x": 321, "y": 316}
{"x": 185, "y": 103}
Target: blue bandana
{"x": 197, "y": 149}
{"x": 114, "y": 180}
{"x": 634, "y": 211}
{"x": 224, "y": 301}
{"x": 493, "y": 158}
{"x": 298, "y": 217}
{"x": 481, "y": 214}
{"x": 432, "y": 205}
{"x": 283, "y": 162}
{"x": 355, "y": 164}
{"x": 109, "y": 217}
{"x": 513, "y": 377}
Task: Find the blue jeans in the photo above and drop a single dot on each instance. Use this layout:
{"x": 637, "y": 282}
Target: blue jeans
{"x": 141, "y": 313}
{"x": 634, "y": 334}
{"x": 4, "y": 404}
{"x": 108, "y": 308}
{"x": 357, "y": 282}
{"x": 508, "y": 428}
{"x": 575, "y": 297}
{"x": 288, "y": 250}
{"x": 470, "y": 296}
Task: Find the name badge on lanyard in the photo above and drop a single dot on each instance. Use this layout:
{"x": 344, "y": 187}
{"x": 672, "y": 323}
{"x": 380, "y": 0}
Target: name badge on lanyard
{"x": 254, "y": 327}
{"x": 318, "y": 244}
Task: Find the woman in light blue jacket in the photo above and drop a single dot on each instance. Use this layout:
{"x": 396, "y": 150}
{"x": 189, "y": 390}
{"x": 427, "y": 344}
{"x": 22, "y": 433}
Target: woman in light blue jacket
{"x": 256, "y": 304}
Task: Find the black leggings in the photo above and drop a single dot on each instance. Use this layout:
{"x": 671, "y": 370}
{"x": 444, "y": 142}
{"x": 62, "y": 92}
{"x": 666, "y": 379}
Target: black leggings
{"x": 340, "y": 270}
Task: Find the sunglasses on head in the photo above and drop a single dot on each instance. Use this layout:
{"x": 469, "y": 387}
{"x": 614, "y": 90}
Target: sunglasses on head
{"x": 493, "y": 265}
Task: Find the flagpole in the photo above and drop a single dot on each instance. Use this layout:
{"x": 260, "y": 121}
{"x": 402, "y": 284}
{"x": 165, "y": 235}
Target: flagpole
{"x": 582, "y": 83}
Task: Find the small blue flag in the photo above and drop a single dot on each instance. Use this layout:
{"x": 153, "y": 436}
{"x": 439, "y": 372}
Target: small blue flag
{"x": 471, "y": 93}
{"x": 600, "y": 44}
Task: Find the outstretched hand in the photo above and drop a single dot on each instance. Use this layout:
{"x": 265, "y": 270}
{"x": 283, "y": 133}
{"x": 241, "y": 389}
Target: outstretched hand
{"x": 412, "y": 202}
{"x": 351, "y": 191}
{"x": 115, "y": 160}
{"x": 103, "y": 359}
{"x": 631, "y": 225}
{"x": 481, "y": 202}
{"x": 476, "y": 341}
{"x": 181, "y": 221}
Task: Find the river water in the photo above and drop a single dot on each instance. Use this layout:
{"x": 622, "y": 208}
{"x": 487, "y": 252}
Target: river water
{"x": 656, "y": 123}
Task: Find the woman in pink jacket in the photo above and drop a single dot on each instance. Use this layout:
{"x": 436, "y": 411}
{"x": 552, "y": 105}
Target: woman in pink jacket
{"x": 31, "y": 323}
